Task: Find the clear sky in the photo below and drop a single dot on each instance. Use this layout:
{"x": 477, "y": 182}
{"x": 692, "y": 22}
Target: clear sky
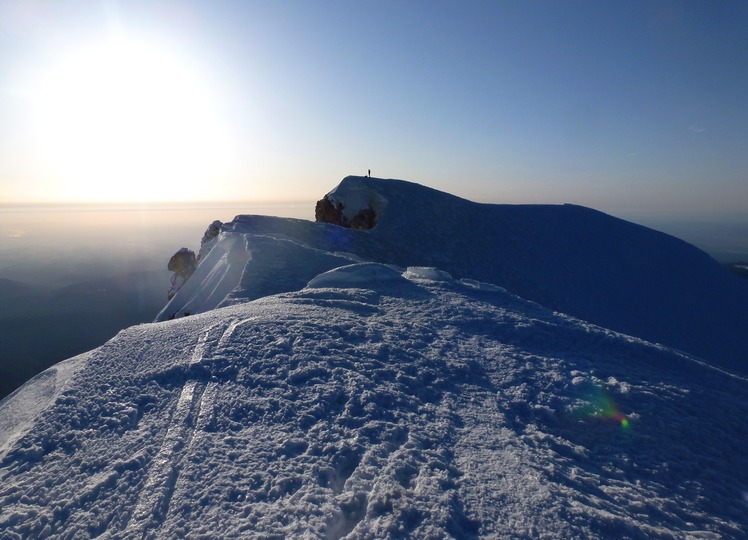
{"x": 628, "y": 107}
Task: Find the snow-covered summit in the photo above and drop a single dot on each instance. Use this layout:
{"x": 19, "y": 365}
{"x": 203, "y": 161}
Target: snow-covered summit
{"x": 572, "y": 259}
{"x": 324, "y": 387}
{"x": 352, "y": 204}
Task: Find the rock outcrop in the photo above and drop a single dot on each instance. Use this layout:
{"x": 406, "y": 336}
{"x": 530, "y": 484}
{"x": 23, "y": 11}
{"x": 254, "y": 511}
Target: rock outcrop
{"x": 206, "y": 243}
{"x": 183, "y": 264}
{"x": 328, "y": 211}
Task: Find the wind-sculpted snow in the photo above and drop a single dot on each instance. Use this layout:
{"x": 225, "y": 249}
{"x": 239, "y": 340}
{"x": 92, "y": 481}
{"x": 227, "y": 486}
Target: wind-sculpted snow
{"x": 244, "y": 267}
{"x": 572, "y": 259}
{"x": 380, "y": 403}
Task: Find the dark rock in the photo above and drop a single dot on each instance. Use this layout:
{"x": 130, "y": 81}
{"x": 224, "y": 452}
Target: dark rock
{"x": 183, "y": 262}
{"x": 327, "y": 211}
{"x": 365, "y": 219}
{"x": 211, "y": 233}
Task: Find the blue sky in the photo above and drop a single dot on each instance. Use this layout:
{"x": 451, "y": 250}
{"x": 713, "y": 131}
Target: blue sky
{"x": 628, "y": 107}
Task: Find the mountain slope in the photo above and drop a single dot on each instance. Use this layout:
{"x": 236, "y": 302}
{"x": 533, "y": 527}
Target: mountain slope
{"x": 377, "y": 403}
{"x": 572, "y": 259}
{"x": 321, "y": 389}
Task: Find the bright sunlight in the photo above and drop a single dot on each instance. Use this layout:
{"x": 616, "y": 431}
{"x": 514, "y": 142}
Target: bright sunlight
{"x": 127, "y": 121}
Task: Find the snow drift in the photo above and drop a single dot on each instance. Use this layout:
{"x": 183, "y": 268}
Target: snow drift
{"x": 572, "y": 259}
{"x": 321, "y": 389}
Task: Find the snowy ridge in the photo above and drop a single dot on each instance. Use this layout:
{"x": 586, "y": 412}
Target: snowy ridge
{"x": 375, "y": 405}
{"x": 572, "y": 259}
{"x": 357, "y": 196}
{"x": 324, "y": 387}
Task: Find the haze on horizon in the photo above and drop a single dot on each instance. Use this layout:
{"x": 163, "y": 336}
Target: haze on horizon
{"x": 635, "y": 108}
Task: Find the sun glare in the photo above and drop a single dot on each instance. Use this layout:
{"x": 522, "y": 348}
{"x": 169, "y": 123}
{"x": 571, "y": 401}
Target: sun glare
{"x": 129, "y": 122}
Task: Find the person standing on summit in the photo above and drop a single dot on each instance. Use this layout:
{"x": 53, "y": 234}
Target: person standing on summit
{"x": 369, "y": 173}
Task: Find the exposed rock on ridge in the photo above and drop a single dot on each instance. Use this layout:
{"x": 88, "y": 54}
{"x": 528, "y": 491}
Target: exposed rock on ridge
{"x": 355, "y": 204}
{"x": 328, "y": 211}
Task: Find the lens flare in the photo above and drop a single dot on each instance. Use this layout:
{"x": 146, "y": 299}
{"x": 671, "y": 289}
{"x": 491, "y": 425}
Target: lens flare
{"x": 598, "y": 404}
{"x": 339, "y": 237}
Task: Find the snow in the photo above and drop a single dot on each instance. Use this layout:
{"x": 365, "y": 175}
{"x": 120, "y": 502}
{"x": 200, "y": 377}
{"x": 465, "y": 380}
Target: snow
{"x": 429, "y": 273}
{"x": 357, "y": 275}
{"x": 331, "y": 393}
{"x": 572, "y": 259}
{"x": 358, "y": 196}
{"x": 18, "y": 414}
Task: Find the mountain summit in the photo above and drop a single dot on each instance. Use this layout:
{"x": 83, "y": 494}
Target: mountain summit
{"x": 572, "y": 259}
{"x": 333, "y": 382}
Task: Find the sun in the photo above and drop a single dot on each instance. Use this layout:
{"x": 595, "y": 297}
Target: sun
{"x": 128, "y": 121}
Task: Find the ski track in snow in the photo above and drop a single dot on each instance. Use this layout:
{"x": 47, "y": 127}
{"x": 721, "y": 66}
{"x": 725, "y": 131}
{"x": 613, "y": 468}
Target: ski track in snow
{"x": 187, "y": 419}
{"x": 412, "y": 411}
{"x": 152, "y": 507}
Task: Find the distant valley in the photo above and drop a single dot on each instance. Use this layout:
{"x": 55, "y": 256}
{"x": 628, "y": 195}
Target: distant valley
{"x": 40, "y": 326}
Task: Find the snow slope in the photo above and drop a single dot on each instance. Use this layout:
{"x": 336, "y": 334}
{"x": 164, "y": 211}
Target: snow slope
{"x": 572, "y": 259}
{"x": 378, "y": 403}
{"x": 313, "y": 393}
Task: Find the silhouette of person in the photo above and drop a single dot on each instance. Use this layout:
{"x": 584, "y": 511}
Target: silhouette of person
{"x": 369, "y": 173}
